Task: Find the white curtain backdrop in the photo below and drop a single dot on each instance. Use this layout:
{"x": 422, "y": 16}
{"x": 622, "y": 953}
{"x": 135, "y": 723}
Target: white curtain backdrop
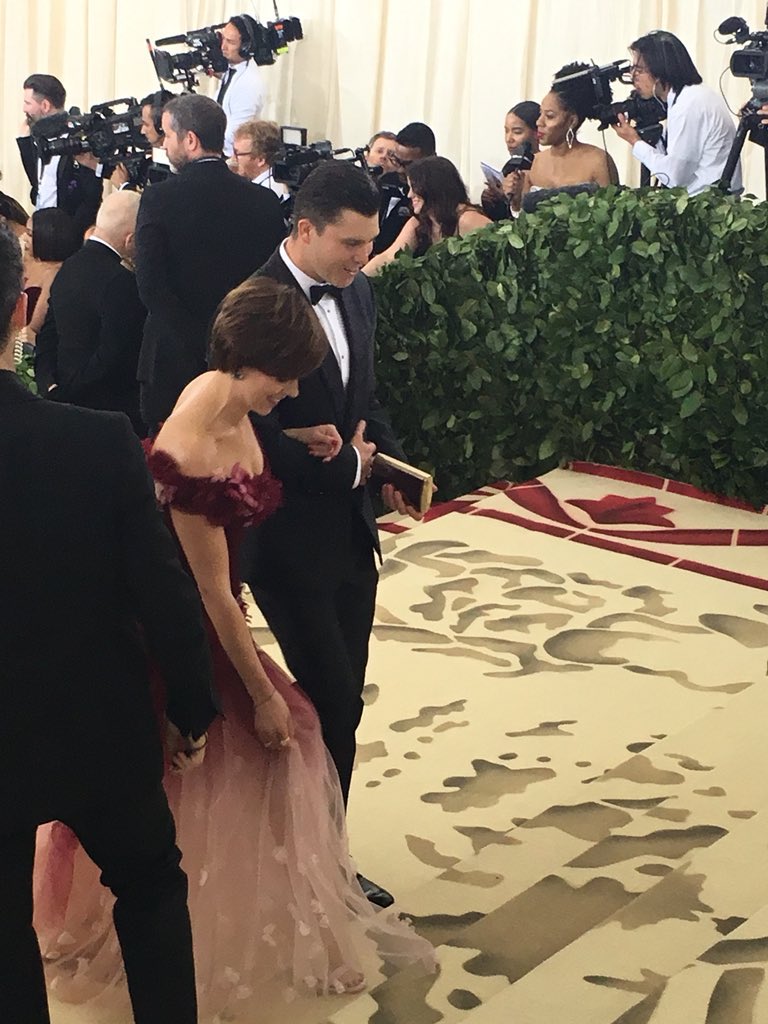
{"x": 366, "y": 65}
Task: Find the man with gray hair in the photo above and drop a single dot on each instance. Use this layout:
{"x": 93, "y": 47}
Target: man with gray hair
{"x": 88, "y": 347}
{"x": 199, "y": 234}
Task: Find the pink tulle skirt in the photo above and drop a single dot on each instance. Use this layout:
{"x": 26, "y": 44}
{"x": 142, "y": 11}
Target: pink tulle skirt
{"x": 273, "y": 896}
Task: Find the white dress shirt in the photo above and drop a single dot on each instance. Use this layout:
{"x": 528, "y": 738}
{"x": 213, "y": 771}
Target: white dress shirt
{"x": 266, "y": 179}
{"x": 47, "y": 186}
{"x": 699, "y": 135}
{"x": 243, "y": 99}
{"x": 329, "y": 315}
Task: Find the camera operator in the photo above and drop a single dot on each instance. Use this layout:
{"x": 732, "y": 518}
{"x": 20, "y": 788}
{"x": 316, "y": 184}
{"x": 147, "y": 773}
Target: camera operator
{"x": 241, "y": 94}
{"x": 152, "y": 107}
{"x": 199, "y": 233}
{"x": 700, "y": 130}
{"x": 413, "y": 142}
{"x": 63, "y": 181}
{"x": 257, "y": 143}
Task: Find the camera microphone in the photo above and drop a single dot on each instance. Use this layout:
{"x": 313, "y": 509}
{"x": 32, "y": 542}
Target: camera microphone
{"x": 734, "y": 27}
{"x": 173, "y": 40}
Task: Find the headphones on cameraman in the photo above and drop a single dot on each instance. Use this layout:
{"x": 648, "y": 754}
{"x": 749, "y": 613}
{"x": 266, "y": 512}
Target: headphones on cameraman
{"x": 158, "y": 101}
{"x": 247, "y": 27}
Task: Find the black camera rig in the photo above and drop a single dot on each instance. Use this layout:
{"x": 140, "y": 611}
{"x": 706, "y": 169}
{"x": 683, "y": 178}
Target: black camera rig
{"x": 111, "y": 131}
{"x": 296, "y": 160}
{"x": 751, "y": 62}
{"x": 645, "y": 114}
{"x": 260, "y": 43}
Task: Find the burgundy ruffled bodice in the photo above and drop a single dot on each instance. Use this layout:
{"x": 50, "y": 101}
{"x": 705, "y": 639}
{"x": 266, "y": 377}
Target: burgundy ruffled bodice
{"x": 235, "y": 499}
{"x": 233, "y": 502}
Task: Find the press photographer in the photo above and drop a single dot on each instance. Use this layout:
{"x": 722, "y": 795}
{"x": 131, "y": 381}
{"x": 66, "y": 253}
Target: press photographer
{"x": 700, "y": 130}
{"x": 60, "y": 181}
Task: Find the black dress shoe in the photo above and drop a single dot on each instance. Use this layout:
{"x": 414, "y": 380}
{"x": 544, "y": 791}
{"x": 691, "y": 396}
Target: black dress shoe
{"x": 374, "y": 893}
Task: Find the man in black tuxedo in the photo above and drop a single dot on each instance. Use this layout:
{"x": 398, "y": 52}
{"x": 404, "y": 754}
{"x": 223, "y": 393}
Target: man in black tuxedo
{"x": 63, "y": 181}
{"x": 84, "y": 552}
{"x": 311, "y": 566}
{"x": 199, "y": 234}
{"x": 87, "y": 350}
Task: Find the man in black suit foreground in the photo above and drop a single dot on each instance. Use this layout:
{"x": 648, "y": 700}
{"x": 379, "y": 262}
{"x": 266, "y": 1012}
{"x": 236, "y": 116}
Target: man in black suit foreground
{"x": 311, "y": 566}
{"x": 63, "y": 181}
{"x": 89, "y": 576}
{"x": 88, "y": 347}
{"x": 199, "y": 234}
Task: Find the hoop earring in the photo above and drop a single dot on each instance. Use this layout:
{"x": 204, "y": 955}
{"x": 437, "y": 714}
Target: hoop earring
{"x": 570, "y": 137}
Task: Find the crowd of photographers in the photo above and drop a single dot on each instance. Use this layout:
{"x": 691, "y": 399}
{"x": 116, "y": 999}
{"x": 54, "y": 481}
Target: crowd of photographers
{"x": 191, "y": 242}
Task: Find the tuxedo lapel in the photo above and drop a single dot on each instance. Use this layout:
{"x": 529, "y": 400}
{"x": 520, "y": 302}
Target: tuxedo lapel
{"x": 350, "y": 314}
{"x": 328, "y": 371}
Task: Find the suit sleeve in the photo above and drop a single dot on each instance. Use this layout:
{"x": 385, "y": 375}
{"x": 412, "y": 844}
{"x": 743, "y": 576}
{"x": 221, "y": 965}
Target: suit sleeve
{"x": 298, "y": 470}
{"x": 46, "y": 353}
{"x": 162, "y": 594}
{"x": 29, "y": 162}
{"x": 113, "y": 362}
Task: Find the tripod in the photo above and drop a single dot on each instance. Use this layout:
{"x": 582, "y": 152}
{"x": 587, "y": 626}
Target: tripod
{"x": 749, "y": 128}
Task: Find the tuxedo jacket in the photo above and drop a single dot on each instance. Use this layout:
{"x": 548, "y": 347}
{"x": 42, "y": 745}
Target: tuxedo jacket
{"x": 90, "y": 340}
{"x": 321, "y": 510}
{"x": 90, "y": 578}
{"x": 78, "y": 190}
{"x": 198, "y": 235}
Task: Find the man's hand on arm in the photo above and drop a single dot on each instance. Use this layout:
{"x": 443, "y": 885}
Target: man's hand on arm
{"x": 365, "y": 451}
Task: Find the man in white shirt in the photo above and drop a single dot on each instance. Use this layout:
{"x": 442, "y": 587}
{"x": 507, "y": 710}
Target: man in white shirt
{"x": 62, "y": 181}
{"x": 256, "y": 145}
{"x": 241, "y": 93}
{"x": 700, "y": 130}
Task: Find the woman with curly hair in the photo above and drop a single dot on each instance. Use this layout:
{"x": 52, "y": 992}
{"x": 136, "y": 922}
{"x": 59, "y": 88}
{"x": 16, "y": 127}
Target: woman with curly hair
{"x": 441, "y": 209}
{"x": 565, "y": 160}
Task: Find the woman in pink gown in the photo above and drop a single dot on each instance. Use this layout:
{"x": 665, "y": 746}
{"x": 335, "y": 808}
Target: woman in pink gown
{"x": 274, "y": 900}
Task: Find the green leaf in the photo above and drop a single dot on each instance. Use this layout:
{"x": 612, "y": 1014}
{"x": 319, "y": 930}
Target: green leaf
{"x": 691, "y": 404}
{"x": 546, "y": 448}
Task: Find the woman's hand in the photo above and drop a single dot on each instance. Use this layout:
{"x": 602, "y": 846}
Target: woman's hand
{"x": 184, "y": 752}
{"x": 273, "y": 722}
{"x": 513, "y": 186}
{"x": 323, "y": 440}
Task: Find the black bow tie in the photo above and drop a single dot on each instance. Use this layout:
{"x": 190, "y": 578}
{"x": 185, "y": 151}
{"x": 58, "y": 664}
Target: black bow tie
{"x": 317, "y": 291}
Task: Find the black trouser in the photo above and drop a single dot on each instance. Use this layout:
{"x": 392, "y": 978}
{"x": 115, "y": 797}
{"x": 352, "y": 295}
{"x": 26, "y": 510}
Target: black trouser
{"x": 323, "y": 627}
{"x": 134, "y": 845}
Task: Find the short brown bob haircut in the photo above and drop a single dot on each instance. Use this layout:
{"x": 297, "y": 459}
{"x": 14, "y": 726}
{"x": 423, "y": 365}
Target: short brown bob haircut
{"x": 267, "y": 326}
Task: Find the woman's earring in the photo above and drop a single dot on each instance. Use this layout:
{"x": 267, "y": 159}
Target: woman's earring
{"x": 570, "y": 137}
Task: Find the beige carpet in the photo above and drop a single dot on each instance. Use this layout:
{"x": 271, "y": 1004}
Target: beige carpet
{"x": 562, "y": 761}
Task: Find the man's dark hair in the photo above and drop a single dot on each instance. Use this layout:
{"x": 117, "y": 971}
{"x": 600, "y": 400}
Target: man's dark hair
{"x": 268, "y": 326}
{"x": 11, "y": 281}
{"x": 332, "y": 188}
{"x": 667, "y": 59}
{"x": 47, "y": 87}
{"x": 12, "y": 210}
{"x": 54, "y": 235}
{"x": 418, "y": 136}
{"x": 200, "y": 115}
{"x": 157, "y": 102}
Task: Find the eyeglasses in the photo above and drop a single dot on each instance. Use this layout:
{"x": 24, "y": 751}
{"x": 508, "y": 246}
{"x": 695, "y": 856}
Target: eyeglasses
{"x": 638, "y": 69}
{"x": 242, "y": 152}
{"x": 397, "y": 161}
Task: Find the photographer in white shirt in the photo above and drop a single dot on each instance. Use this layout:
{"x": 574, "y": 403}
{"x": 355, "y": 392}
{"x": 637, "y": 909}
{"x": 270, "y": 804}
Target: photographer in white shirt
{"x": 242, "y": 93}
{"x": 699, "y": 130}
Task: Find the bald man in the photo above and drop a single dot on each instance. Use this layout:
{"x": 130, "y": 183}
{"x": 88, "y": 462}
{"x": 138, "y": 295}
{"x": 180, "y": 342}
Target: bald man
{"x": 88, "y": 347}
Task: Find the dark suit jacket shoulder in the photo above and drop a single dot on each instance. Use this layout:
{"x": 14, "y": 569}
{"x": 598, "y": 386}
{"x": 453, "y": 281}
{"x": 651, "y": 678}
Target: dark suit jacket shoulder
{"x": 78, "y": 192}
{"x": 89, "y": 344}
{"x": 198, "y": 235}
{"x": 90, "y": 576}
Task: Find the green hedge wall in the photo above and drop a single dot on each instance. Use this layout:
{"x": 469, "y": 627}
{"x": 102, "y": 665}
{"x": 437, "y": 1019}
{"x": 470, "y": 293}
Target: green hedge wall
{"x": 628, "y": 327}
